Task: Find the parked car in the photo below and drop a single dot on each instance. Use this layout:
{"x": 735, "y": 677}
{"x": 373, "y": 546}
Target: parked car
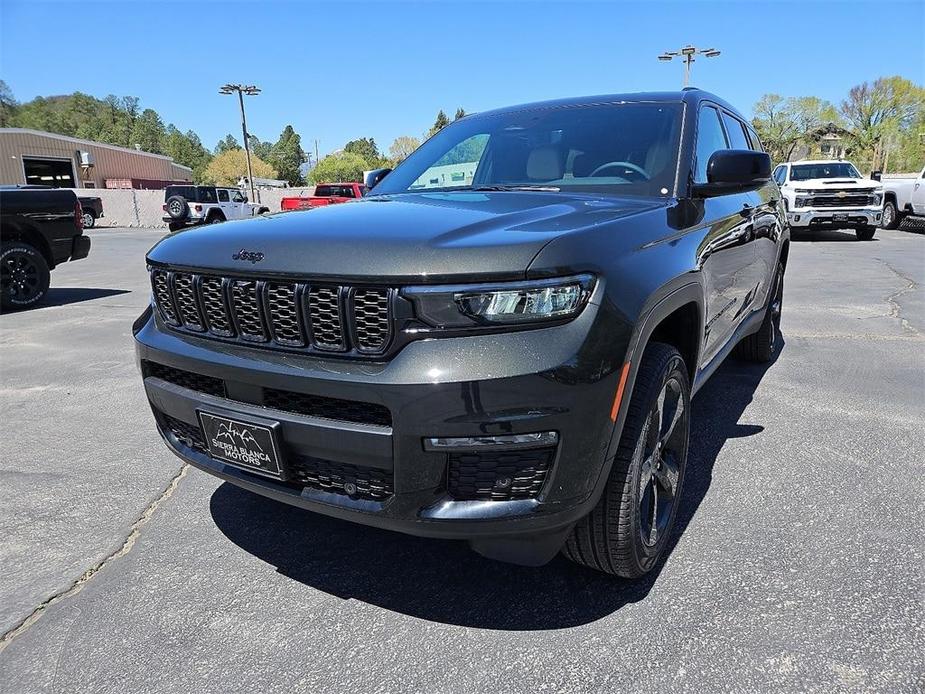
{"x": 189, "y": 205}
{"x": 92, "y": 209}
{"x": 39, "y": 228}
{"x": 325, "y": 194}
{"x": 830, "y": 194}
{"x": 510, "y": 362}
{"x": 903, "y": 197}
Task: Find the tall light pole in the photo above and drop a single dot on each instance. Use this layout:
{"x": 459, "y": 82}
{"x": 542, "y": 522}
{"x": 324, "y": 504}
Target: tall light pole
{"x": 250, "y": 90}
{"x": 687, "y": 55}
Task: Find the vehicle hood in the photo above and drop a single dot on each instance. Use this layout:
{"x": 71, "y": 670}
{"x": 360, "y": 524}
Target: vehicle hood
{"x": 419, "y": 236}
{"x": 821, "y": 184}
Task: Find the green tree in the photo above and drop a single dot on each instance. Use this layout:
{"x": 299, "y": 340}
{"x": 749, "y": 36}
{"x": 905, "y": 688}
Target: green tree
{"x": 402, "y": 147}
{"x": 439, "y": 124}
{"x": 460, "y": 113}
{"x": 7, "y": 105}
{"x": 367, "y": 149}
{"x": 340, "y": 166}
{"x": 876, "y": 111}
{"x": 287, "y": 156}
{"x": 260, "y": 148}
{"x": 227, "y": 168}
{"x": 148, "y": 132}
{"x": 785, "y": 124}
{"x": 226, "y": 144}
{"x": 186, "y": 149}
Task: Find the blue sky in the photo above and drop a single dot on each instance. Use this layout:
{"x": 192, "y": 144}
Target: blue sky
{"x": 340, "y": 70}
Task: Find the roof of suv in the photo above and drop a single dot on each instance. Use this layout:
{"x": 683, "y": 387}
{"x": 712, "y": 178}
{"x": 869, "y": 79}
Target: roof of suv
{"x": 689, "y": 95}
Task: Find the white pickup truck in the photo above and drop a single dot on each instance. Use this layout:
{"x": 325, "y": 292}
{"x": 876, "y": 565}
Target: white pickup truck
{"x": 830, "y": 195}
{"x": 903, "y": 197}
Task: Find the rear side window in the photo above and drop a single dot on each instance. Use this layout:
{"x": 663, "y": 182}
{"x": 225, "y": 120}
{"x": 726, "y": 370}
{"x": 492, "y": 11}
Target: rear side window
{"x": 207, "y": 195}
{"x": 756, "y": 141}
{"x": 188, "y": 192}
{"x": 736, "y": 132}
{"x": 710, "y": 138}
{"x": 223, "y": 196}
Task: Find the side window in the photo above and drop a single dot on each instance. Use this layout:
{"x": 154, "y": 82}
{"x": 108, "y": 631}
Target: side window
{"x": 779, "y": 175}
{"x": 207, "y": 195}
{"x": 709, "y": 139}
{"x": 756, "y": 141}
{"x": 735, "y": 131}
{"x": 237, "y": 196}
{"x": 222, "y": 195}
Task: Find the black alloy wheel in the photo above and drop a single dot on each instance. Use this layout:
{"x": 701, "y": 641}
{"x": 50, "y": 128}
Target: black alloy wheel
{"x": 24, "y": 276}
{"x": 665, "y": 442}
{"x": 627, "y": 532}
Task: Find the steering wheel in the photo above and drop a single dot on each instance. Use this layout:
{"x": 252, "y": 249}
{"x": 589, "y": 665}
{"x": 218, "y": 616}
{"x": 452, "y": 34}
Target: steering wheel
{"x": 625, "y": 164}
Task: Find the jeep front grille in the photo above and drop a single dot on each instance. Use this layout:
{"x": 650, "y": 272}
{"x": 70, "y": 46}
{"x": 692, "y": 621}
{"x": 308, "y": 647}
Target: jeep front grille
{"x": 299, "y": 316}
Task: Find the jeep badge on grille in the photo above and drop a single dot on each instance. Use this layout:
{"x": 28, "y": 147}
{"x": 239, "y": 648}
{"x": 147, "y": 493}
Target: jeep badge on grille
{"x": 244, "y": 254}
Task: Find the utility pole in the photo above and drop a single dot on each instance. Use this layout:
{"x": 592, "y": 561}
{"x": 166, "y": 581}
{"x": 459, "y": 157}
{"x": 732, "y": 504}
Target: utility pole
{"x": 250, "y": 90}
{"x": 316, "y": 152}
{"x": 687, "y": 55}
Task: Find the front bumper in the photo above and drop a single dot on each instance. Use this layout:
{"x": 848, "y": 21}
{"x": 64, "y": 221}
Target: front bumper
{"x": 847, "y": 218}
{"x": 488, "y": 385}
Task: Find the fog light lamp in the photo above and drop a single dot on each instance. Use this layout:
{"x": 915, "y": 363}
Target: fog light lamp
{"x": 536, "y": 440}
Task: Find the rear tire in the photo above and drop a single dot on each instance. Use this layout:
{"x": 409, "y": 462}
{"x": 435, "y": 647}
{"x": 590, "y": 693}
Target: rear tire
{"x": 628, "y": 530}
{"x": 24, "y": 276}
{"x": 891, "y": 217}
{"x": 215, "y": 219}
{"x": 865, "y": 233}
{"x": 175, "y": 226}
{"x": 89, "y": 220}
{"x": 760, "y": 347}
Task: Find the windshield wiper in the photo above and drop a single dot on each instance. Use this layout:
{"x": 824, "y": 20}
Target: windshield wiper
{"x": 546, "y": 189}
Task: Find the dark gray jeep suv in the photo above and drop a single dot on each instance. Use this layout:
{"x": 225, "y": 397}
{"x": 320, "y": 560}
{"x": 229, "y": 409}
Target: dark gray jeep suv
{"x": 499, "y": 344}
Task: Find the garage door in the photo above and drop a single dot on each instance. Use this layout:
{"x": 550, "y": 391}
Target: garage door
{"x": 49, "y": 172}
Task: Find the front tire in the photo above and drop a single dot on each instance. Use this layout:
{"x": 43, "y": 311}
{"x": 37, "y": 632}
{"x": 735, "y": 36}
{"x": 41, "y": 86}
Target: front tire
{"x": 24, "y": 276}
{"x": 891, "y": 217}
{"x": 628, "y": 530}
{"x": 865, "y": 233}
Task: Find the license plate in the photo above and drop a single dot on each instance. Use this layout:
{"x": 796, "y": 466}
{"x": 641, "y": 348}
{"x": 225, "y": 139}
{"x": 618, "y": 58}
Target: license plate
{"x": 247, "y": 445}
{"x": 840, "y": 218}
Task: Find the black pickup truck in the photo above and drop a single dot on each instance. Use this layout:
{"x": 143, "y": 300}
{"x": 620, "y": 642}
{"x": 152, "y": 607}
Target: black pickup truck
{"x": 92, "y": 209}
{"x": 39, "y": 229}
{"x": 498, "y": 344}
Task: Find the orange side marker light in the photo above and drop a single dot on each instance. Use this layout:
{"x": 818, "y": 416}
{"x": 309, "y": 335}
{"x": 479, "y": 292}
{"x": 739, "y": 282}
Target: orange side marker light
{"x": 618, "y": 398}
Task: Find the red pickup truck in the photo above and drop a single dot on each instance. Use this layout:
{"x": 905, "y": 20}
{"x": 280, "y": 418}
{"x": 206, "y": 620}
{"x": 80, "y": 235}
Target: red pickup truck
{"x": 325, "y": 194}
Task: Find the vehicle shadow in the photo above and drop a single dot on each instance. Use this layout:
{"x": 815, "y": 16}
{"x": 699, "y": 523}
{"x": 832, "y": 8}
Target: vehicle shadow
{"x": 61, "y": 296}
{"x": 444, "y": 581}
{"x": 827, "y": 235}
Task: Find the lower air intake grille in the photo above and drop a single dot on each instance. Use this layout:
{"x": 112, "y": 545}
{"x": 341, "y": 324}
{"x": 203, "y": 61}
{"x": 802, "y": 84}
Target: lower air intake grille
{"x": 330, "y": 408}
{"x": 188, "y": 434}
{"x": 498, "y": 475}
{"x": 185, "y": 379}
{"x": 341, "y": 478}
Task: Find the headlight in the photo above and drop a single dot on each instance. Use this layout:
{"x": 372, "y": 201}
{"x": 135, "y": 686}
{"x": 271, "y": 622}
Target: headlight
{"x": 515, "y": 303}
{"x": 800, "y": 202}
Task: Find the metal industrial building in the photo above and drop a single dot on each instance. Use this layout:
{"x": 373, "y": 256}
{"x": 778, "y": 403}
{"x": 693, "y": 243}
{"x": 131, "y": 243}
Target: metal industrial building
{"x": 36, "y": 157}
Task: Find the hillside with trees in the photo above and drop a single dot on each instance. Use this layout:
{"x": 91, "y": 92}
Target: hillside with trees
{"x": 121, "y": 121}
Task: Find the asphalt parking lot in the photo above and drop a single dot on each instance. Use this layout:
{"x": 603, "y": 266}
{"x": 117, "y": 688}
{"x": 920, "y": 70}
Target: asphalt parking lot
{"x": 797, "y": 564}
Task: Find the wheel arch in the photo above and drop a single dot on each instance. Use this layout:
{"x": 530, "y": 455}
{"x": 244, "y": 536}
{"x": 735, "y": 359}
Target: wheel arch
{"x": 24, "y": 233}
{"x": 213, "y": 213}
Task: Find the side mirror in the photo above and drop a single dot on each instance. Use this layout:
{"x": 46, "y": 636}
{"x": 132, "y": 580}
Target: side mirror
{"x": 734, "y": 171}
{"x": 374, "y": 176}
{"x": 876, "y": 175}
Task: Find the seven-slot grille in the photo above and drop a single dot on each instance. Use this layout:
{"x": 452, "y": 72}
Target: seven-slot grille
{"x": 853, "y": 199}
{"x": 292, "y": 315}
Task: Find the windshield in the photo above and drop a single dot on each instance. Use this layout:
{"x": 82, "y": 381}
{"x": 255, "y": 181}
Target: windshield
{"x": 842, "y": 169}
{"x": 623, "y": 149}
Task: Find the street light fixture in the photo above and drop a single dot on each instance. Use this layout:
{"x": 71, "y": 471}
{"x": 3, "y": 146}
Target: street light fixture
{"x": 250, "y": 90}
{"x": 687, "y": 54}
